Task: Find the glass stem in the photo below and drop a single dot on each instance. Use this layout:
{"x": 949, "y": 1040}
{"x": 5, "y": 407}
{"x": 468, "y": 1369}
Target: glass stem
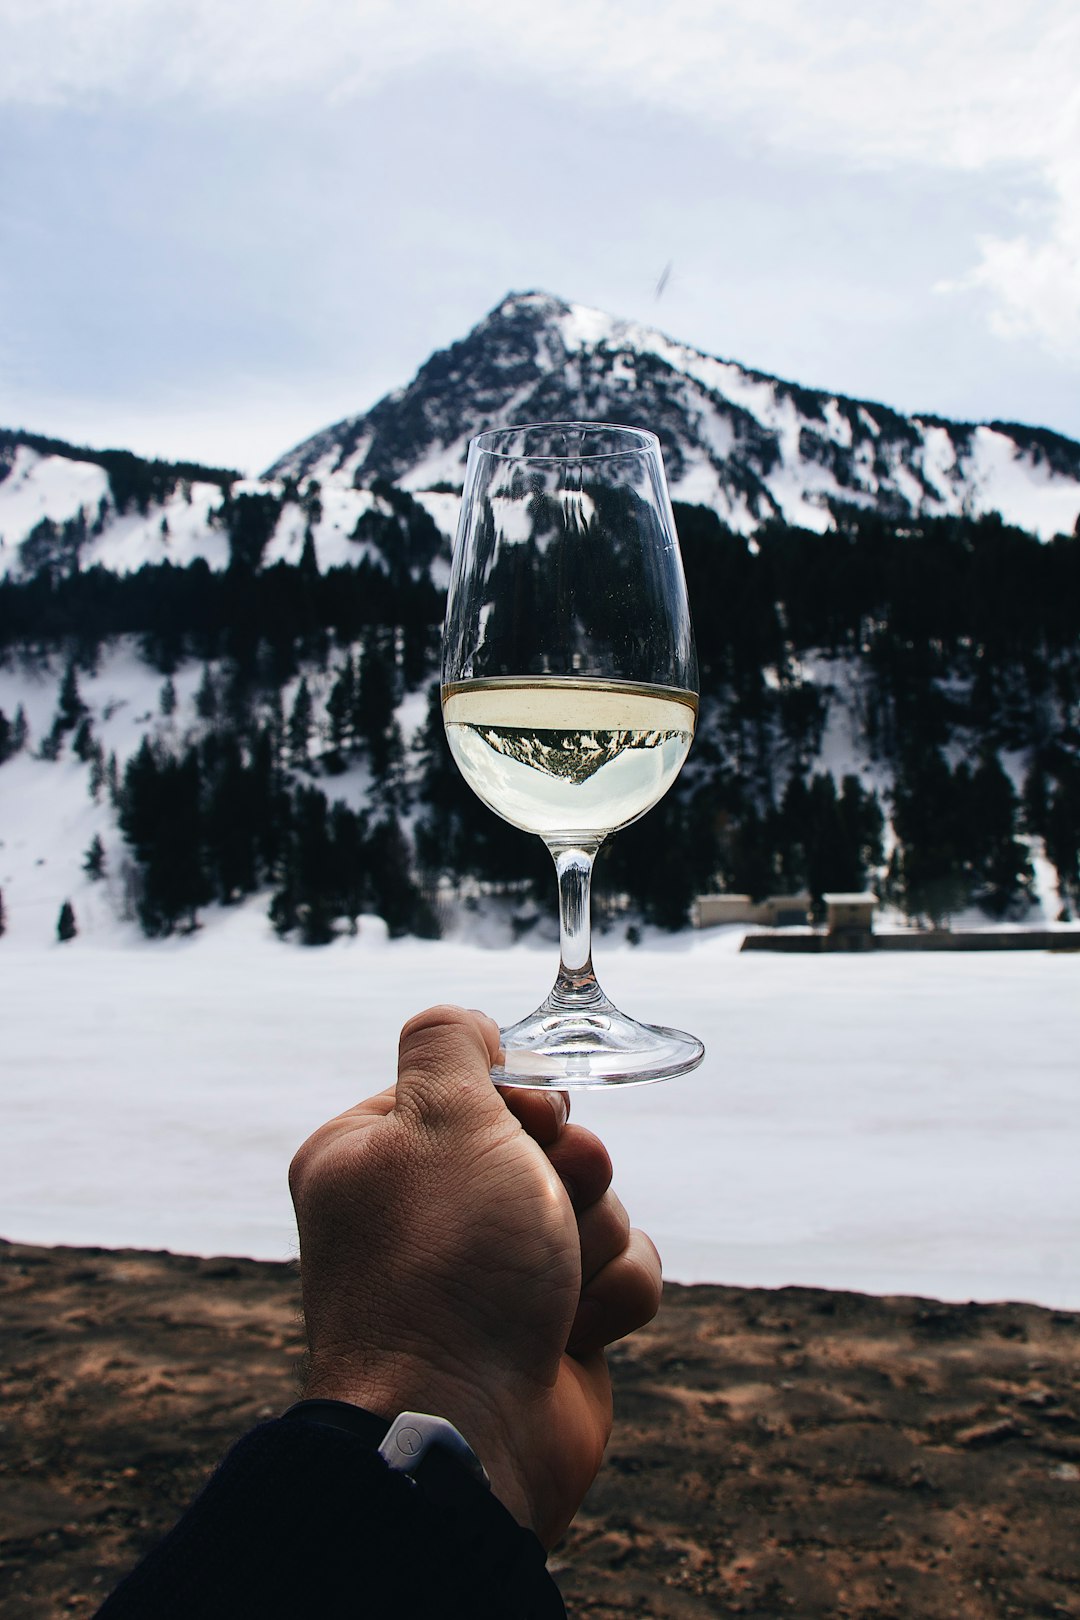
{"x": 576, "y": 985}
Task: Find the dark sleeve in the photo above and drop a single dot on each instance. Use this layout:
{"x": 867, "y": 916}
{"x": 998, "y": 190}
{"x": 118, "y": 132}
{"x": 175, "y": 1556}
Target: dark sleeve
{"x": 306, "y": 1522}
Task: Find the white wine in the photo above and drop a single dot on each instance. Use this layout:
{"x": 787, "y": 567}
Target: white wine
{"x": 568, "y": 758}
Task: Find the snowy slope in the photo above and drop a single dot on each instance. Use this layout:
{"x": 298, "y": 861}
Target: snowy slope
{"x": 178, "y": 529}
{"x": 50, "y": 487}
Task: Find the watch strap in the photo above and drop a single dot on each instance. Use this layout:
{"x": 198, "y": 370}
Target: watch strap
{"x": 341, "y": 1415}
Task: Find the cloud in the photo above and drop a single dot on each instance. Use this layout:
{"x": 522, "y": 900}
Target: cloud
{"x": 1031, "y": 281}
{"x": 977, "y": 85}
{"x": 956, "y": 84}
{"x": 1035, "y": 288}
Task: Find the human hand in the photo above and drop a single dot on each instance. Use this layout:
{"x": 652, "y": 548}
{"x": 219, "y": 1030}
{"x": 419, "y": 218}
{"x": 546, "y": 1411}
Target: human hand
{"x": 462, "y": 1253}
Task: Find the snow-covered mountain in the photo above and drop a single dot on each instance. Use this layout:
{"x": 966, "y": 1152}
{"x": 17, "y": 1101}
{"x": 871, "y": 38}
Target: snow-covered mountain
{"x": 931, "y": 682}
{"x": 747, "y": 445}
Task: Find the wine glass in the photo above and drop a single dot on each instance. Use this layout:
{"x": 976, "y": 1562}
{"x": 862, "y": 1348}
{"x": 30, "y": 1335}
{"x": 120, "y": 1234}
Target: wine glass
{"x": 569, "y": 696}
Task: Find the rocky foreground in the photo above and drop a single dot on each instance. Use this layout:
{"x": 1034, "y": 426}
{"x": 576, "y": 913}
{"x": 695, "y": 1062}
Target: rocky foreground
{"x": 791, "y": 1452}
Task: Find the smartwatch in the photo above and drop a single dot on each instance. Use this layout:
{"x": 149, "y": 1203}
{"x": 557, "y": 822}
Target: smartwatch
{"x": 411, "y": 1437}
{"x": 427, "y": 1449}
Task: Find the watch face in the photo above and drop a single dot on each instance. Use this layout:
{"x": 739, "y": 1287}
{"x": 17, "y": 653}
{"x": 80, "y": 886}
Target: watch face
{"x": 407, "y": 1440}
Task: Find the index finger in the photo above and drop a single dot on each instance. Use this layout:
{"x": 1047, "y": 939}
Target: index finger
{"x": 541, "y": 1113}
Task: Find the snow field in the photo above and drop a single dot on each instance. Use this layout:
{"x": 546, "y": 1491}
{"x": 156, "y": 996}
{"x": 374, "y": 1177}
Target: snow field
{"x": 894, "y": 1124}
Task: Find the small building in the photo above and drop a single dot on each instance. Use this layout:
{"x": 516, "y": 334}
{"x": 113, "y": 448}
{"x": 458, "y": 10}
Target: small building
{"x": 788, "y": 910}
{"x": 777, "y": 911}
{"x": 849, "y": 921}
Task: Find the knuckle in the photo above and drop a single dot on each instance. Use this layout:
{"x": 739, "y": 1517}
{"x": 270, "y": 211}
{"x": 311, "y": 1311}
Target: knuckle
{"x": 298, "y": 1167}
{"x": 433, "y": 1020}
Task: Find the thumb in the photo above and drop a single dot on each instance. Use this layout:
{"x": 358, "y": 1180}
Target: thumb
{"x": 444, "y": 1065}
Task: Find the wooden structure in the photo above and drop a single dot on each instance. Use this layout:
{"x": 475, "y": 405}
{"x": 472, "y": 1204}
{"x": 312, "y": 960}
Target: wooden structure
{"x": 849, "y": 921}
{"x": 777, "y": 911}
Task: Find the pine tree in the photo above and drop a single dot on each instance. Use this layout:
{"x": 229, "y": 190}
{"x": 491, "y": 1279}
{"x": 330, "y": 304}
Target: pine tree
{"x": 376, "y": 701}
{"x": 269, "y": 802}
{"x": 832, "y": 851}
{"x": 230, "y": 822}
{"x": 71, "y": 707}
{"x": 300, "y": 723}
{"x": 672, "y": 880}
{"x": 790, "y": 828}
{"x": 340, "y": 706}
{"x": 283, "y": 912}
{"x": 97, "y": 773}
{"x": 52, "y": 743}
{"x": 312, "y": 503}
{"x": 206, "y": 698}
{"x": 397, "y": 898}
{"x": 237, "y": 700}
{"x": 167, "y": 696}
{"x": 864, "y": 826}
{"x": 999, "y": 862}
{"x": 3, "y": 915}
{"x": 930, "y": 809}
{"x": 6, "y": 730}
{"x": 316, "y": 921}
{"x": 94, "y": 859}
{"x": 350, "y": 866}
{"x": 160, "y": 816}
{"x": 274, "y": 727}
{"x": 138, "y": 798}
{"x": 65, "y": 923}
{"x": 83, "y": 744}
{"x": 750, "y": 861}
{"x": 306, "y": 896}
{"x": 20, "y": 734}
{"x": 309, "y": 562}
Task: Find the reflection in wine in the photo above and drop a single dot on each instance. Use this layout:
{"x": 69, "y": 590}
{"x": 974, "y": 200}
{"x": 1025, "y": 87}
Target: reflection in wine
{"x": 568, "y": 758}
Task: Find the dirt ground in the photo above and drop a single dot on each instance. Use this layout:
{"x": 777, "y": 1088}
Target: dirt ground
{"x": 776, "y": 1453}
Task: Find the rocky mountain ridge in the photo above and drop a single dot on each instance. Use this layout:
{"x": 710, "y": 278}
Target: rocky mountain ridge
{"x": 750, "y": 447}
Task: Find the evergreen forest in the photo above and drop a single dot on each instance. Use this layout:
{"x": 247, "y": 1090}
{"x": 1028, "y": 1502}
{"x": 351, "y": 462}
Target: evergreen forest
{"x": 954, "y": 643}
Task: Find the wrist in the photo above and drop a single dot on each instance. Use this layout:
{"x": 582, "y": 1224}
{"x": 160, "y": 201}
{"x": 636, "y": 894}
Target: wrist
{"x": 468, "y": 1408}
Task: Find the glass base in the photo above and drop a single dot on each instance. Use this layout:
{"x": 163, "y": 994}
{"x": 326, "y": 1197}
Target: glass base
{"x": 561, "y": 1049}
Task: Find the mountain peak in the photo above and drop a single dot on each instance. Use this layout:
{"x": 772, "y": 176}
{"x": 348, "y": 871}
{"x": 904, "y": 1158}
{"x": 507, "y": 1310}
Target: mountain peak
{"x": 751, "y": 446}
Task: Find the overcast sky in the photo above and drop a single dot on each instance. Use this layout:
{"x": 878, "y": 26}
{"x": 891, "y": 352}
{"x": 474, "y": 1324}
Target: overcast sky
{"x": 226, "y": 223}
